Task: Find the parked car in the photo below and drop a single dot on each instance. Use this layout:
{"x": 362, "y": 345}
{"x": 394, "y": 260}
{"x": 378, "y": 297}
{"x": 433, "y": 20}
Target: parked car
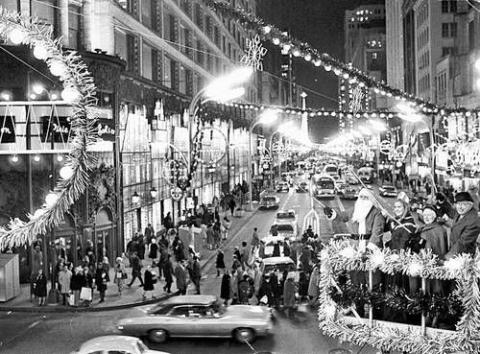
{"x": 269, "y": 202}
{"x": 199, "y": 316}
{"x": 270, "y": 241}
{"x": 388, "y": 191}
{"x": 115, "y": 344}
{"x": 302, "y": 187}
{"x": 282, "y": 187}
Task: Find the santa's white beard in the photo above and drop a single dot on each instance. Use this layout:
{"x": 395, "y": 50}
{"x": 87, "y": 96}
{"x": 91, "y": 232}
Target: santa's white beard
{"x": 360, "y": 212}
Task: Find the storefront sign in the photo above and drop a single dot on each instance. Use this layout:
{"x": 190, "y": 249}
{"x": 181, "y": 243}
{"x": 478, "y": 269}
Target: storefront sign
{"x": 57, "y": 126}
{"x": 7, "y": 129}
{"x": 106, "y": 129}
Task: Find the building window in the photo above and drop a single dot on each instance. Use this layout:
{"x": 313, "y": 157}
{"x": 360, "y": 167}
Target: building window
{"x": 44, "y": 10}
{"x": 147, "y": 69}
{"x": 216, "y": 36}
{"x": 120, "y": 44}
{"x": 73, "y": 26}
{"x": 471, "y": 35}
{"x": 453, "y": 5}
{"x": 445, "y": 6}
{"x": 447, "y": 51}
{"x": 198, "y": 15}
{"x": 167, "y": 72}
{"x": 209, "y": 62}
{"x": 449, "y": 30}
{"x": 200, "y": 54}
{"x": 182, "y": 84}
{"x": 147, "y": 13}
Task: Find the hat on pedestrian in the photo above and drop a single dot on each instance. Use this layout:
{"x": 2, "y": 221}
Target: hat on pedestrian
{"x": 463, "y": 197}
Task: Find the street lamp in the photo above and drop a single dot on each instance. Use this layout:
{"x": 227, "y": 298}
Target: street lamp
{"x": 284, "y": 129}
{"x": 135, "y": 198}
{"x": 224, "y": 88}
{"x": 153, "y": 192}
{"x": 267, "y": 117}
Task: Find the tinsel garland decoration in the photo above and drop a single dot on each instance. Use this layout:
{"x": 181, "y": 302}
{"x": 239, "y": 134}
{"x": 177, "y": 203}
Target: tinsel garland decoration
{"x": 464, "y": 269}
{"x": 302, "y": 49}
{"x": 80, "y": 89}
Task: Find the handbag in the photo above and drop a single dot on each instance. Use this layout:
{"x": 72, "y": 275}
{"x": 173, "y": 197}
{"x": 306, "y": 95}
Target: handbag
{"x": 264, "y": 300}
{"x": 86, "y": 294}
{"x": 71, "y": 299}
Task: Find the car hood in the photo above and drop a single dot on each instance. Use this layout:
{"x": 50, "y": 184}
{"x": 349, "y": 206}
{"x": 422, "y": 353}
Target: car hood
{"x": 247, "y": 312}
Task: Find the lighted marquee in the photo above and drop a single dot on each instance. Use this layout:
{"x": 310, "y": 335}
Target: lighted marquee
{"x": 79, "y": 92}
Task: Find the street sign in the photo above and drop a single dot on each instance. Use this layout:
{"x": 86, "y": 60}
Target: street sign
{"x": 176, "y": 194}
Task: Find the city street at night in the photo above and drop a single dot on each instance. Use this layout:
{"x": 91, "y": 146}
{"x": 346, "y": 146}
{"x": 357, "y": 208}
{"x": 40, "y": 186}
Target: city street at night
{"x": 240, "y": 176}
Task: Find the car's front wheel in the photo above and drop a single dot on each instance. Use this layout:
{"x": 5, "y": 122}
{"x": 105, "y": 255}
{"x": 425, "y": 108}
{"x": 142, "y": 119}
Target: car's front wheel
{"x": 243, "y": 335}
{"x": 158, "y": 335}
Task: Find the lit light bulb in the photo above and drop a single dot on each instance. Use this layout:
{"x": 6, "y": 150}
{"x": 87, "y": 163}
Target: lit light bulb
{"x": 287, "y": 47}
{"x": 59, "y": 158}
{"x": 276, "y": 41}
{"x": 40, "y": 52}
{"x": 296, "y": 53}
{"x": 38, "y": 88}
{"x": 66, "y": 172}
{"x": 317, "y": 62}
{"x": 14, "y": 158}
{"x": 58, "y": 68}
{"x": 36, "y": 158}
{"x": 71, "y": 94}
{"x": 308, "y": 57}
{"x": 328, "y": 67}
{"x": 38, "y": 213}
{"x": 17, "y": 36}
{"x": 267, "y": 29}
{"x": 51, "y": 199}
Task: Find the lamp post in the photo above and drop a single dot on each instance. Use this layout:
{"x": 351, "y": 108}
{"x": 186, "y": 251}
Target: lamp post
{"x": 221, "y": 89}
{"x": 267, "y": 117}
{"x": 283, "y": 129}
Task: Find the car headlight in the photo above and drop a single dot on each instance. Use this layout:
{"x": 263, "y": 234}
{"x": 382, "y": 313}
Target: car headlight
{"x": 120, "y": 327}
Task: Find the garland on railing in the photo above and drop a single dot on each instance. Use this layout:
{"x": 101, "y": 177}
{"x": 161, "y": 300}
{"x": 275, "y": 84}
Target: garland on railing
{"x": 465, "y": 269}
{"x": 79, "y": 91}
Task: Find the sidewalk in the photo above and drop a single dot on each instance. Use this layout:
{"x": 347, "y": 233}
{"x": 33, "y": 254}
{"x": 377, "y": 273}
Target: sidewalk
{"x": 130, "y": 297}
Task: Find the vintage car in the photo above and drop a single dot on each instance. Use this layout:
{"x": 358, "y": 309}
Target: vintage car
{"x": 388, "y": 191}
{"x": 282, "y": 187}
{"x": 198, "y": 316}
{"x": 284, "y": 229}
{"x": 269, "y": 202}
{"x": 268, "y": 265}
{"x": 115, "y": 344}
{"x": 269, "y": 242}
{"x": 347, "y": 191}
{"x": 287, "y": 217}
{"x": 302, "y": 187}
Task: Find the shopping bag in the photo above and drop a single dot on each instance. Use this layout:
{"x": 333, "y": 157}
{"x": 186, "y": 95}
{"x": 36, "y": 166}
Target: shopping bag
{"x": 71, "y": 299}
{"x": 86, "y": 294}
{"x": 264, "y": 300}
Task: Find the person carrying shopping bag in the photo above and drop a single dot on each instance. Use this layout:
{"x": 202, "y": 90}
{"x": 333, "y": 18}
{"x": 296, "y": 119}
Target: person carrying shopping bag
{"x": 120, "y": 274}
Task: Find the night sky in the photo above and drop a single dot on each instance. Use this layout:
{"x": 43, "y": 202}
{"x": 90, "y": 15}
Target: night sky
{"x": 320, "y": 23}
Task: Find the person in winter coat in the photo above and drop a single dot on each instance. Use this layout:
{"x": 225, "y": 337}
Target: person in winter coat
{"x": 88, "y": 283}
{"x": 196, "y": 274}
{"x": 220, "y": 262}
{"x": 149, "y": 233}
{"x": 136, "y": 264}
{"x": 153, "y": 251}
{"x": 402, "y": 228}
{"x": 289, "y": 289}
{"x": 101, "y": 280}
{"x": 276, "y": 288}
{"x": 64, "y": 278}
{"x": 150, "y": 280}
{"x": 226, "y": 223}
{"x": 255, "y": 239}
{"x": 435, "y": 237}
{"x": 265, "y": 292}
{"x": 303, "y": 284}
{"x": 141, "y": 247}
{"x": 225, "y": 291}
{"x": 168, "y": 274}
{"x": 286, "y": 248}
{"x": 234, "y": 285}
{"x": 232, "y": 205}
{"x": 76, "y": 283}
{"x": 313, "y": 290}
{"x": 245, "y": 289}
{"x": 181, "y": 277}
{"x": 40, "y": 287}
{"x": 120, "y": 274}
{"x": 465, "y": 227}
{"x": 276, "y": 249}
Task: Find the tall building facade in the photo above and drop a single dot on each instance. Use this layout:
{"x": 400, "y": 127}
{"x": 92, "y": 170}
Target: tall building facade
{"x": 148, "y": 59}
{"x": 365, "y": 49}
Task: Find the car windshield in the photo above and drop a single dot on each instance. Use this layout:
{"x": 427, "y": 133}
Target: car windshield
{"x": 325, "y": 184}
{"x": 331, "y": 169}
{"x": 283, "y": 228}
{"x": 285, "y": 216}
{"x": 160, "y": 310}
{"x": 389, "y": 188}
{"x": 280, "y": 266}
{"x": 269, "y": 199}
